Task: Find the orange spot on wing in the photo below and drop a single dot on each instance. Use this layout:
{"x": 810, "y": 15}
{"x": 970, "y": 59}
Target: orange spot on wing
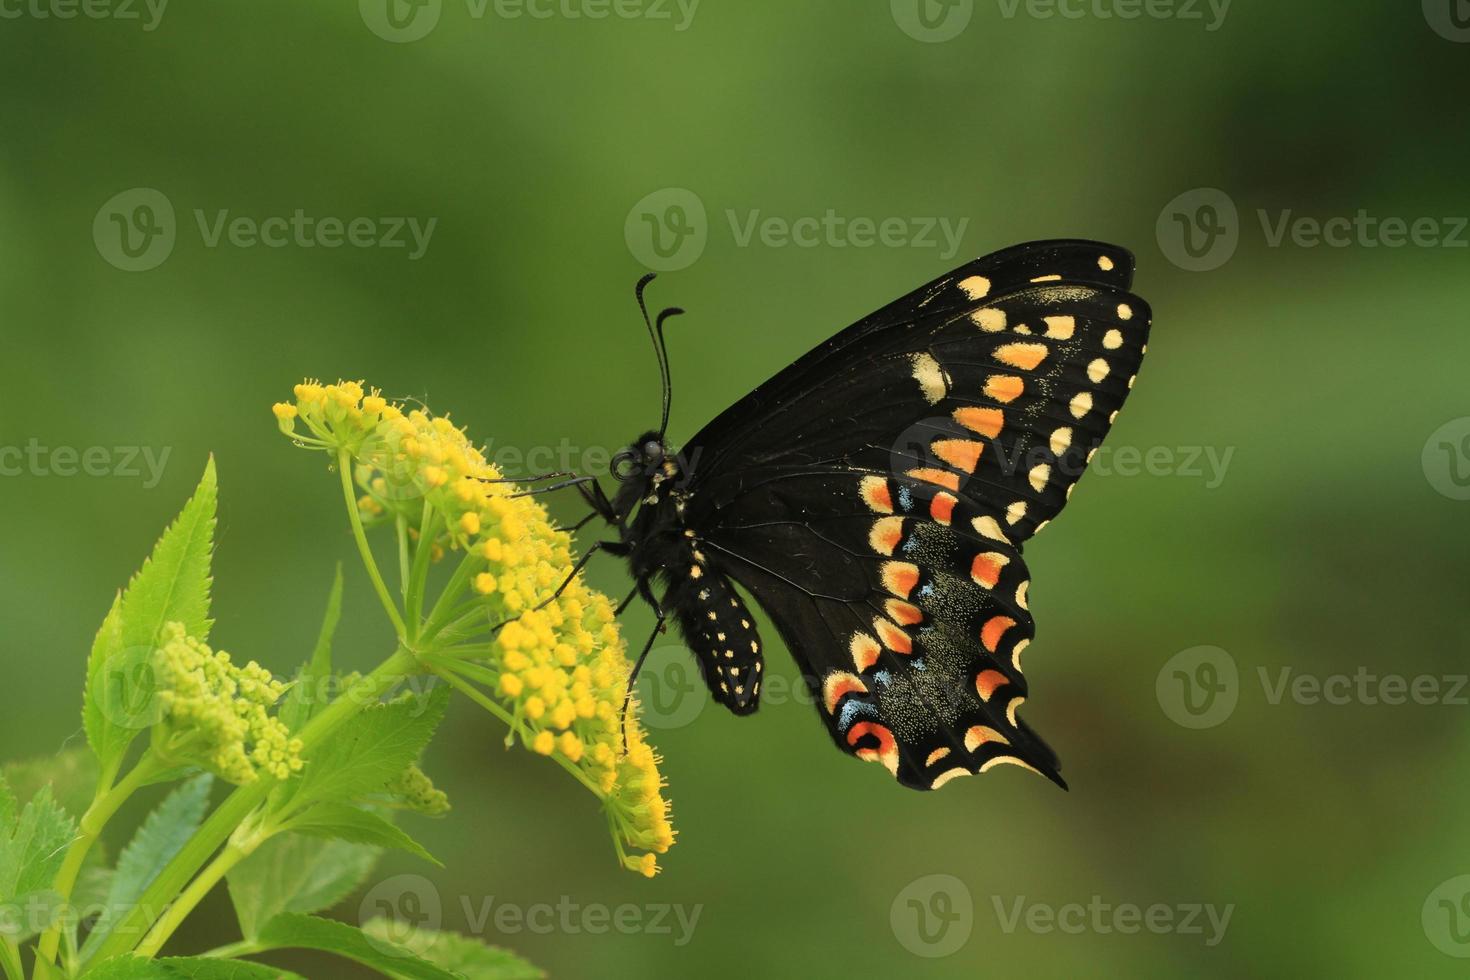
{"x": 893, "y": 638}
{"x": 986, "y": 421}
{"x": 875, "y": 493}
{"x": 886, "y": 534}
{"x": 1023, "y": 356}
{"x": 900, "y": 577}
{"x": 941, "y": 508}
{"x": 980, "y": 734}
{"x": 904, "y": 613}
{"x": 1004, "y": 387}
{"x": 962, "y": 454}
{"x": 950, "y": 481}
{"x": 864, "y": 650}
{"x": 986, "y": 568}
{"x": 987, "y": 682}
{"x": 838, "y": 686}
{"x": 886, "y": 751}
{"x": 992, "y": 631}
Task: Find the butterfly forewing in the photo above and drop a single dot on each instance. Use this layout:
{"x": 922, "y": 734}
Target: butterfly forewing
{"x": 874, "y": 496}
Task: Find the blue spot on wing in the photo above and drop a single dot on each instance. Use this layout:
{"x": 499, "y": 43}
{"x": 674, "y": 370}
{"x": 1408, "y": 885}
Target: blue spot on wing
{"x": 851, "y": 708}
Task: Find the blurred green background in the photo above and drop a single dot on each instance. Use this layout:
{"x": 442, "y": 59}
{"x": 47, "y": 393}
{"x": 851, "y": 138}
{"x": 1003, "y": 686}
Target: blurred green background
{"x": 1333, "y": 543}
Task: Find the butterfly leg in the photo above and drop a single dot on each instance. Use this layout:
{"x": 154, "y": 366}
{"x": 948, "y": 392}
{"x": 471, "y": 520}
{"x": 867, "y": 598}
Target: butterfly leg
{"x": 660, "y": 626}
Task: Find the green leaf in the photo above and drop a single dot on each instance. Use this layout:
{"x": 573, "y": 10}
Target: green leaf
{"x": 457, "y": 953}
{"x": 32, "y": 847}
{"x": 185, "y": 968}
{"x": 342, "y": 822}
{"x": 162, "y": 836}
{"x": 362, "y": 758}
{"x": 328, "y": 935}
{"x": 308, "y": 693}
{"x": 172, "y": 586}
{"x": 293, "y": 873}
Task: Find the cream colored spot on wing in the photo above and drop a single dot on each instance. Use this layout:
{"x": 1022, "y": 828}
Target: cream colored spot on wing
{"x": 936, "y": 755}
{"x": 1042, "y": 526}
{"x": 1131, "y": 378}
{"x": 930, "y": 377}
{"x": 990, "y": 319}
{"x": 1016, "y": 652}
{"x": 1038, "y": 477}
{"x": 975, "y": 287}
{"x": 945, "y": 777}
{"x": 1011, "y": 710}
{"x": 1113, "y": 417}
{"x": 989, "y": 527}
{"x": 978, "y": 735}
{"x": 1015, "y": 511}
{"x": 1125, "y": 312}
{"x": 1061, "y": 327}
{"x": 1021, "y": 594}
{"x": 1113, "y": 339}
{"x": 1051, "y": 278}
{"x": 1097, "y": 370}
{"x": 1081, "y": 404}
{"x": 1104, "y": 263}
{"x": 1060, "y": 440}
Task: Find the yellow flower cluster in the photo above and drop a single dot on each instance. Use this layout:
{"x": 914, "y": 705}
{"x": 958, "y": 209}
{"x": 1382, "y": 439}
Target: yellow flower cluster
{"x": 215, "y": 714}
{"x": 557, "y": 669}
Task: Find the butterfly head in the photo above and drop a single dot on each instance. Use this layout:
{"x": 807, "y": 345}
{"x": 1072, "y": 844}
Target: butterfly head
{"x": 641, "y": 461}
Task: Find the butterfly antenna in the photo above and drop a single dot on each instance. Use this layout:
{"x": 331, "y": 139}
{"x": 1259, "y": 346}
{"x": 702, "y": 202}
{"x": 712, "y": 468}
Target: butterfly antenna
{"x": 663, "y": 346}
{"x": 655, "y": 333}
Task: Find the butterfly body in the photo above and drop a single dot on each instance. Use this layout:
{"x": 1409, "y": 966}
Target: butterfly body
{"x": 874, "y": 499}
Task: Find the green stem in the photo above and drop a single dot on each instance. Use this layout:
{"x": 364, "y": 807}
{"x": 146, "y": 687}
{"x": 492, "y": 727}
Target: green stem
{"x": 231, "y": 950}
{"x": 402, "y": 527}
{"x": 232, "y": 855}
{"x": 423, "y": 553}
{"x": 237, "y": 806}
{"x": 444, "y": 607}
{"x": 104, "y": 805}
{"x": 344, "y": 469}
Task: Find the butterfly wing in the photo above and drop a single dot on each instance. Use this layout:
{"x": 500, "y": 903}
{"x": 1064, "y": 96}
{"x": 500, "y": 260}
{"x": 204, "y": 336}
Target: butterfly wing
{"x": 874, "y": 496}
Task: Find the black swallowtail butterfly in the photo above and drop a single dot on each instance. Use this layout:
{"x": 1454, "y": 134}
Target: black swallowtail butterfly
{"x": 874, "y": 498}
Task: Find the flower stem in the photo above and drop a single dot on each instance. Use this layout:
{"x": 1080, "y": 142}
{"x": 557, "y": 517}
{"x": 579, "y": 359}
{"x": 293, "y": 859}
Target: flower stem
{"x": 423, "y": 553}
{"x": 344, "y": 469}
{"x": 104, "y": 804}
{"x": 10, "y": 961}
{"x": 237, "y": 806}
{"x": 232, "y": 855}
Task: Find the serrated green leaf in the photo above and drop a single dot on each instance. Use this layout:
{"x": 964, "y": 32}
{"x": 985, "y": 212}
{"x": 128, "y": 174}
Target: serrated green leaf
{"x": 457, "y": 953}
{"x": 361, "y": 759}
{"x": 172, "y": 586}
{"x": 185, "y": 968}
{"x": 32, "y": 847}
{"x": 308, "y": 693}
{"x": 161, "y": 836}
{"x": 293, "y": 873}
{"x": 310, "y": 932}
{"x": 339, "y": 821}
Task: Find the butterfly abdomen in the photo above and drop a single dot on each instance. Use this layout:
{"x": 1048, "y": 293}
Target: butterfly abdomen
{"x": 717, "y": 627}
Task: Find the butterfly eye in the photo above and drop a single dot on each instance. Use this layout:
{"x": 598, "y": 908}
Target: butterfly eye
{"x": 625, "y": 465}
{"x": 652, "y": 451}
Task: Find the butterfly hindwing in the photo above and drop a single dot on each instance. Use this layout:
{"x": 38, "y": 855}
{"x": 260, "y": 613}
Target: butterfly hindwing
{"x": 874, "y": 496}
